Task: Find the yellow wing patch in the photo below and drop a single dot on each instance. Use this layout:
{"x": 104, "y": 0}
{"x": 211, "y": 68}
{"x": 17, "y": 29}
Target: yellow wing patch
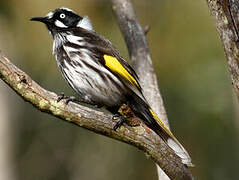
{"x": 161, "y": 123}
{"x": 114, "y": 65}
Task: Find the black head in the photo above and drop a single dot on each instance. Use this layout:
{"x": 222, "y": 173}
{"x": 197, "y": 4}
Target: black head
{"x": 62, "y": 18}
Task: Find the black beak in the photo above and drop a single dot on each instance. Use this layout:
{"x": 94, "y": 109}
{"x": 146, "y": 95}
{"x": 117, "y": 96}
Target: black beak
{"x": 44, "y": 20}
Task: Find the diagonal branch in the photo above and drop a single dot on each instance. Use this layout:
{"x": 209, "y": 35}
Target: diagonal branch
{"x": 100, "y": 122}
{"x": 93, "y": 120}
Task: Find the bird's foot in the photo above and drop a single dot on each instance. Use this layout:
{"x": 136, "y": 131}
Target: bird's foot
{"x": 68, "y": 99}
{"x": 120, "y": 121}
{"x": 62, "y": 96}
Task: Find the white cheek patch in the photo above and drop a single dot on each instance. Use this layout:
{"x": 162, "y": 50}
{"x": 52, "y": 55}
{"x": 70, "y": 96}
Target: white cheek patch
{"x": 60, "y": 24}
{"x": 85, "y": 23}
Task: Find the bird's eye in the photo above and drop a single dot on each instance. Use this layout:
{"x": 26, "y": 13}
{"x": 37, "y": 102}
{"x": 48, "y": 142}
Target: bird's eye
{"x": 62, "y": 16}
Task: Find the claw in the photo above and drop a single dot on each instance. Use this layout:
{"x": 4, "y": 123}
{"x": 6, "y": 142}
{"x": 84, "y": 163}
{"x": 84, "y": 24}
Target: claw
{"x": 115, "y": 116}
{"x": 98, "y": 105}
{"x": 67, "y": 98}
{"x": 119, "y": 123}
{"x": 71, "y": 99}
{"x": 60, "y": 97}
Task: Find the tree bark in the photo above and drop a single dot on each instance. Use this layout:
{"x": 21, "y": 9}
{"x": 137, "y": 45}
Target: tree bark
{"x": 92, "y": 119}
{"x": 226, "y": 15}
{"x": 139, "y": 53}
{"x": 100, "y": 122}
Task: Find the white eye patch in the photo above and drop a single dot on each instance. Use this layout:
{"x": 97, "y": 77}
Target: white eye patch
{"x": 60, "y": 24}
{"x": 62, "y": 15}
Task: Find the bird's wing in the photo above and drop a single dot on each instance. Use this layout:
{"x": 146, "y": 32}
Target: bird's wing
{"x": 122, "y": 69}
{"x": 117, "y": 65}
{"x": 107, "y": 55}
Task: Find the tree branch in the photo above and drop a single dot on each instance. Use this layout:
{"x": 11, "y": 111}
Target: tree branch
{"x": 226, "y": 14}
{"x": 100, "y": 122}
{"x": 139, "y": 54}
{"x": 97, "y": 121}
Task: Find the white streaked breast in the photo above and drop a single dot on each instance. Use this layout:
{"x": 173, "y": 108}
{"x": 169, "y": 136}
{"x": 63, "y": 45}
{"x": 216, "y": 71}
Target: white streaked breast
{"x": 59, "y": 40}
{"x": 75, "y": 40}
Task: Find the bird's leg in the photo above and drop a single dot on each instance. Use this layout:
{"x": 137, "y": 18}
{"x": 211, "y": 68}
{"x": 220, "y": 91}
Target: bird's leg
{"x": 60, "y": 97}
{"x": 120, "y": 122}
{"x": 125, "y": 115}
{"x": 67, "y": 98}
{"x": 71, "y": 99}
{"x": 77, "y": 100}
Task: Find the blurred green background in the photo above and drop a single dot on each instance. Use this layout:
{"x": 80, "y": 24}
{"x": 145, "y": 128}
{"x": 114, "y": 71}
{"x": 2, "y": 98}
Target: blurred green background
{"x": 193, "y": 77}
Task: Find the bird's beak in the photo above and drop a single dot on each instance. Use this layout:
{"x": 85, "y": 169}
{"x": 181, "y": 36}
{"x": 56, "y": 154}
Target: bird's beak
{"x": 44, "y": 20}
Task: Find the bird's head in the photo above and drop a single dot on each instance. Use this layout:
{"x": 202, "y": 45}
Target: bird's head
{"x": 63, "y": 18}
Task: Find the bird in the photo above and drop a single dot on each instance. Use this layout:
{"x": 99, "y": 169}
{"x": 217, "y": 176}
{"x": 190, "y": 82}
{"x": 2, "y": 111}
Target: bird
{"x": 93, "y": 67}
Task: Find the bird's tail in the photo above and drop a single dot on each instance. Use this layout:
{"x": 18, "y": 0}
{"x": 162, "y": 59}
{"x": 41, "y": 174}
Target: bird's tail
{"x": 143, "y": 111}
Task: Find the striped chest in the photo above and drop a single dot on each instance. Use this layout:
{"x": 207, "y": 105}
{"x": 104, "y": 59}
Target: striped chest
{"x": 84, "y": 72}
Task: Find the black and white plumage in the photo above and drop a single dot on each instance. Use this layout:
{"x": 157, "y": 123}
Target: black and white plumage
{"x": 96, "y": 71}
